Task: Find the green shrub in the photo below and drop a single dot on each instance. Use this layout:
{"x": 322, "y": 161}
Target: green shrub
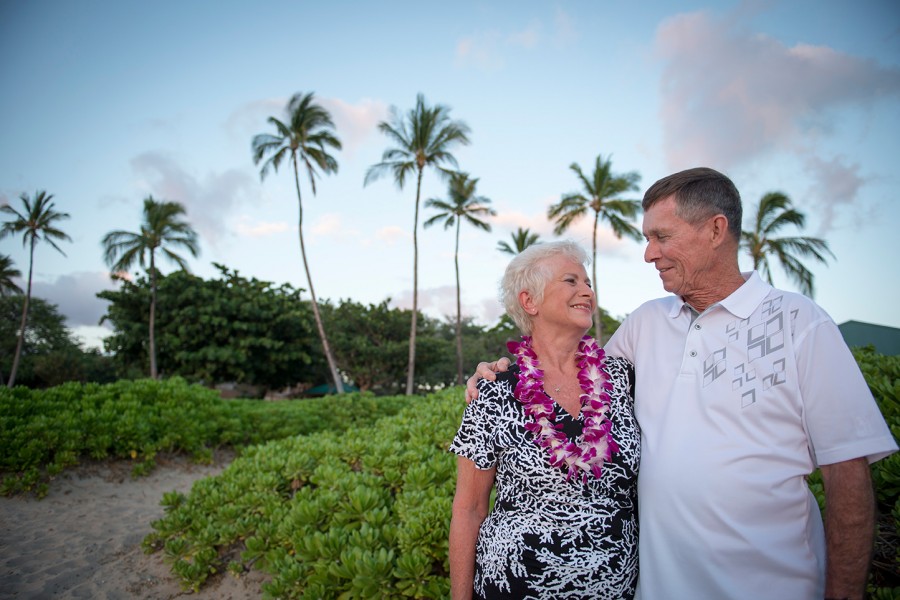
{"x": 43, "y": 432}
{"x": 358, "y": 514}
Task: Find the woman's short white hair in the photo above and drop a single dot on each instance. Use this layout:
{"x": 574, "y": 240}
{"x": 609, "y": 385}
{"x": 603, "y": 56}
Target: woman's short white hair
{"x": 529, "y": 272}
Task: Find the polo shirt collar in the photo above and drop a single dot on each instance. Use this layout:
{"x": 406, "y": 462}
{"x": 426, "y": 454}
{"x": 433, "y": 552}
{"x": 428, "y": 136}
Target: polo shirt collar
{"x": 742, "y": 301}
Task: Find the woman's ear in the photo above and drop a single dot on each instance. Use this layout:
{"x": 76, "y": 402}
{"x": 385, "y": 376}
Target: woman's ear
{"x": 528, "y": 303}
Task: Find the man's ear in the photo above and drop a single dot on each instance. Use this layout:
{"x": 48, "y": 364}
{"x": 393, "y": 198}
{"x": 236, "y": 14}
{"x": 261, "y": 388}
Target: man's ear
{"x": 718, "y": 230}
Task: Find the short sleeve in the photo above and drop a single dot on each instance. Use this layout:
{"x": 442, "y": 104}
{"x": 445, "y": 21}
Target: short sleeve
{"x": 476, "y": 437}
{"x": 842, "y": 418}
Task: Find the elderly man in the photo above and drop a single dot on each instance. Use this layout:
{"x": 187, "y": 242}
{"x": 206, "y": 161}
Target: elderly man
{"x": 741, "y": 391}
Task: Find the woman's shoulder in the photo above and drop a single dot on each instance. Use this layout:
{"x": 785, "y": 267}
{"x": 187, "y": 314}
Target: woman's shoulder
{"x": 621, "y": 372}
{"x": 618, "y": 363}
{"x": 501, "y": 390}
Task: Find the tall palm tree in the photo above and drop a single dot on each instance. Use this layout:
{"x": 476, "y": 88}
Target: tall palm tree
{"x": 462, "y": 205}
{"x": 7, "y": 273}
{"x": 305, "y": 135}
{"x": 36, "y": 222}
{"x": 162, "y": 228}
{"x": 521, "y": 239}
{"x": 598, "y": 196}
{"x": 422, "y": 138}
{"x": 774, "y": 212}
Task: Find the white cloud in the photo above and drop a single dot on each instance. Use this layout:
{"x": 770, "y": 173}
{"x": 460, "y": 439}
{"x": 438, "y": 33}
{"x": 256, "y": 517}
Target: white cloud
{"x": 480, "y": 51}
{"x": 836, "y": 185}
{"x": 440, "y": 302}
{"x": 565, "y": 31}
{"x": 513, "y": 219}
{"x": 327, "y": 225}
{"x": 246, "y": 228}
{"x": 353, "y": 123}
{"x": 729, "y": 95}
{"x": 76, "y": 296}
{"x": 527, "y": 38}
{"x": 486, "y": 50}
{"x": 392, "y": 234}
{"x": 207, "y": 201}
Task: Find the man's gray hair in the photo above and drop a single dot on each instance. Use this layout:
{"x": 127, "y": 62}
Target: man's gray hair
{"x": 700, "y": 193}
{"x": 529, "y": 272}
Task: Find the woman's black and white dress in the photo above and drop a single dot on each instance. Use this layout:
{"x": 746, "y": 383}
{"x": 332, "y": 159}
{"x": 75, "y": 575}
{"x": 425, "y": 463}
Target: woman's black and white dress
{"x": 547, "y": 537}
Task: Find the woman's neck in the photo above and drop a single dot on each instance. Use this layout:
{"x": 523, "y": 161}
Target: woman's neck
{"x": 556, "y": 350}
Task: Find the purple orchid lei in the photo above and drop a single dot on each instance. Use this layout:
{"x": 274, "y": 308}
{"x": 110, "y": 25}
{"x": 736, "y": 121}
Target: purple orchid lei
{"x": 597, "y": 445}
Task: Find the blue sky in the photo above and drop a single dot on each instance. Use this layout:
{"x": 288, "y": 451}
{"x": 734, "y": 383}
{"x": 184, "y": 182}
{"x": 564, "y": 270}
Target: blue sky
{"x": 107, "y": 102}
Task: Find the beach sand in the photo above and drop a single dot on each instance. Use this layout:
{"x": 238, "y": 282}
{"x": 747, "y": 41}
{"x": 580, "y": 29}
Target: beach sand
{"x": 83, "y": 540}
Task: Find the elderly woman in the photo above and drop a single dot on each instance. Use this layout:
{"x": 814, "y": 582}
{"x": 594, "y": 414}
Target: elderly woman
{"x": 558, "y": 439}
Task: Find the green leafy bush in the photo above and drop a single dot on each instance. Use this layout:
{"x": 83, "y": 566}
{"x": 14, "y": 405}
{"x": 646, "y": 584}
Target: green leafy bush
{"x": 359, "y": 514}
{"x": 882, "y": 373}
{"x": 44, "y": 431}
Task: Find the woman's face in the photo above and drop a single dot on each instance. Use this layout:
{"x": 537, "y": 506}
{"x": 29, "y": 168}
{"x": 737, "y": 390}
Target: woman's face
{"x": 568, "y": 297}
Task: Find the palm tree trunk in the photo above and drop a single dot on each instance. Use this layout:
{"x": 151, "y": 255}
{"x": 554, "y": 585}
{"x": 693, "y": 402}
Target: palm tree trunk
{"x": 338, "y": 384}
{"x": 411, "y": 365}
{"x": 598, "y": 321}
{"x": 21, "y": 340}
{"x": 153, "y": 371}
{"x": 459, "y": 352}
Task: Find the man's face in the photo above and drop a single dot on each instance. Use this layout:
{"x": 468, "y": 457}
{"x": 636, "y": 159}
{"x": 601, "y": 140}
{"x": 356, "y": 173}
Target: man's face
{"x": 680, "y": 251}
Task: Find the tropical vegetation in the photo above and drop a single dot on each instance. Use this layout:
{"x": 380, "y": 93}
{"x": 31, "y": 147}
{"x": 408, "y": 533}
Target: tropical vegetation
{"x": 51, "y": 354}
{"x": 339, "y": 497}
{"x": 8, "y": 274}
{"x": 599, "y": 199}
{"x": 462, "y": 205}
{"x": 774, "y": 212}
{"x": 163, "y": 227}
{"x": 521, "y": 239}
{"x": 424, "y": 137}
{"x": 306, "y": 136}
{"x": 260, "y": 337}
{"x": 37, "y": 222}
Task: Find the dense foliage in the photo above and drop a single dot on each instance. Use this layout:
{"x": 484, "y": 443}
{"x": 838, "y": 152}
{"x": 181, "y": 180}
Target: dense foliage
{"x": 363, "y": 513}
{"x": 233, "y": 329}
{"x": 351, "y": 497}
{"x": 229, "y": 329}
{"x": 882, "y": 373}
{"x": 50, "y": 354}
{"x": 44, "y": 431}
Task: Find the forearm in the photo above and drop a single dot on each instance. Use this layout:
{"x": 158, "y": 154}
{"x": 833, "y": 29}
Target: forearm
{"x": 464, "y": 528}
{"x": 849, "y": 528}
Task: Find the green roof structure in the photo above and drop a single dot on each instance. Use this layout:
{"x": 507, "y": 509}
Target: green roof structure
{"x": 885, "y": 339}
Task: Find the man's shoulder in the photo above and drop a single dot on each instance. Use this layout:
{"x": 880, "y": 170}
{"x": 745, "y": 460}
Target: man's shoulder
{"x": 655, "y": 307}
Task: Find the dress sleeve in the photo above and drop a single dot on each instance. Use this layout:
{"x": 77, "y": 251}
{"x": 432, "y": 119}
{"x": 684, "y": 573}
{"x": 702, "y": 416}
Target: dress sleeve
{"x": 476, "y": 437}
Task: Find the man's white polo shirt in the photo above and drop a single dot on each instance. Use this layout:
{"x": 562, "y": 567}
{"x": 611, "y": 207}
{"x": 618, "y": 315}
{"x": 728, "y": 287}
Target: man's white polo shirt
{"x": 736, "y": 406}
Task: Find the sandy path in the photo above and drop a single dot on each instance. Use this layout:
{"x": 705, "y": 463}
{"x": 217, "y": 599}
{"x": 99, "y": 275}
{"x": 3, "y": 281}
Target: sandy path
{"x": 83, "y": 540}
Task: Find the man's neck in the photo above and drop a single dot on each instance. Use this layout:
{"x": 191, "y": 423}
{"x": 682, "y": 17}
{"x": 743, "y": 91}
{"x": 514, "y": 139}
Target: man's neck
{"x": 724, "y": 287}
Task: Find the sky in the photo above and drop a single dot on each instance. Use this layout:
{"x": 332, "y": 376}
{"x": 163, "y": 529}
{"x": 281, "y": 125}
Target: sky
{"x": 106, "y": 102}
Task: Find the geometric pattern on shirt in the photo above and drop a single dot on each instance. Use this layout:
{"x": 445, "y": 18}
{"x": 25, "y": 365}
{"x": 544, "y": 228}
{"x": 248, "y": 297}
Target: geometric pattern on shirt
{"x": 765, "y": 339}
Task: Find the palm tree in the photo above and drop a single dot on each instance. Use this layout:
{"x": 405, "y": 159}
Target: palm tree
{"x": 422, "y": 138}
{"x": 37, "y": 222}
{"x": 162, "y": 228}
{"x": 599, "y": 196}
{"x": 462, "y": 205}
{"x": 7, "y": 273}
{"x": 305, "y": 137}
{"x": 521, "y": 239}
{"x": 775, "y": 211}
